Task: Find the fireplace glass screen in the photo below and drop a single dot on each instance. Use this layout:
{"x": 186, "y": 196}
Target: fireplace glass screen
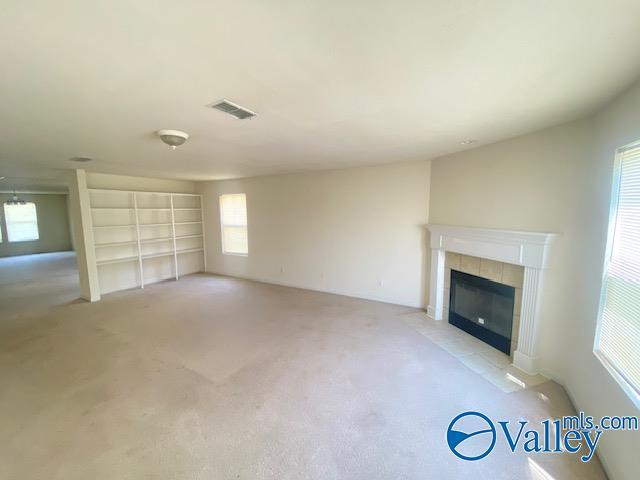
{"x": 482, "y": 308}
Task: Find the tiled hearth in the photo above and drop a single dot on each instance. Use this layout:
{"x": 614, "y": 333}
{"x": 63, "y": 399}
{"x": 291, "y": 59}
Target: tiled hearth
{"x": 486, "y": 361}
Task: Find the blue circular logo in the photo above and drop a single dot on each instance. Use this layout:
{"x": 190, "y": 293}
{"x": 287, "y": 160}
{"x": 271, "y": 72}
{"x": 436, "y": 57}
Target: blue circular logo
{"x": 471, "y": 436}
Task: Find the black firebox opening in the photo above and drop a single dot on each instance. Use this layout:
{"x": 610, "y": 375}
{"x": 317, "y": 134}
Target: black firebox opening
{"x": 482, "y": 308}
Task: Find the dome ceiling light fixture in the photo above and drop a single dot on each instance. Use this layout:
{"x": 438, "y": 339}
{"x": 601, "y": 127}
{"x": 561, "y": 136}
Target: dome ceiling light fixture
{"x": 173, "y": 138}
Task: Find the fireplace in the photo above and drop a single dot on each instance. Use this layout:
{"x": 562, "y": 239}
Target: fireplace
{"x": 482, "y": 308}
{"x": 529, "y": 250}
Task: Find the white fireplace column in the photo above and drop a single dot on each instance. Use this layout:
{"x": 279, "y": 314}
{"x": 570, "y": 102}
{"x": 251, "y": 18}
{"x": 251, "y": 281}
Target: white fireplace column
{"x": 436, "y": 286}
{"x": 525, "y": 356}
{"x": 528, "y": 249}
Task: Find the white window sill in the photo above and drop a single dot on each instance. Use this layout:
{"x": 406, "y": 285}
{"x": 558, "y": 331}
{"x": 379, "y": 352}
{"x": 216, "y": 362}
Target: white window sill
{"x": 624, "y": 384}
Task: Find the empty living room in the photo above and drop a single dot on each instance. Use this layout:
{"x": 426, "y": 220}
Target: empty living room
{"x": 320, "y": 240}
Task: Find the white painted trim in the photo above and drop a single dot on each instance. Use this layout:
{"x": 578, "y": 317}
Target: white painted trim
{"x": 609, "y": 366}
{"x": 204, "y": 234}
{"x": 525, "y": 363}
{"x": 527, "y": 249}
{"x": 526, "y": 358}
{"x": 135, "y": 210}
{"x": 114, "y": 190}
{"x": 173, "y": 237}
{"x": 436, "y": 285}
{"x": 620, "y": 379}
{"x": 223, "y": 225}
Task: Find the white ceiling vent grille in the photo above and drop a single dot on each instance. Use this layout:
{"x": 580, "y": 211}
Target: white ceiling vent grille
{"x": 232, "y": 109}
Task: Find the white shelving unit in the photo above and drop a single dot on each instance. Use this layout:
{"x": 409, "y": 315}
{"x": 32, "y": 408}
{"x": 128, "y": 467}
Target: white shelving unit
{"x": 146, "y": 237}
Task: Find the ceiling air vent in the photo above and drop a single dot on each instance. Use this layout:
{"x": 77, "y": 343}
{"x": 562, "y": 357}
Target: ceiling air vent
{"x": 232, "y": 109}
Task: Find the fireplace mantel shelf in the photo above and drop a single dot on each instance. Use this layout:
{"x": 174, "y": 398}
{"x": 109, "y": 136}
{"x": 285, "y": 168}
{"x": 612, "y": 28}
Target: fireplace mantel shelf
{"x": 528, "y": 249}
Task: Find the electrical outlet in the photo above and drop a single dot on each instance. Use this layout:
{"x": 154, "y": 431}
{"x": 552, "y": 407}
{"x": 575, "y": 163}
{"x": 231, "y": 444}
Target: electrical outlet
{"x": 380, "y": 283}
{"x": 282, "y": 269}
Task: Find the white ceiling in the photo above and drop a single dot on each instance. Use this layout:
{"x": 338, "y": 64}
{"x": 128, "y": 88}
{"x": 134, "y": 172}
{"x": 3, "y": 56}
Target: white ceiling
{"x": 335, "y": 83}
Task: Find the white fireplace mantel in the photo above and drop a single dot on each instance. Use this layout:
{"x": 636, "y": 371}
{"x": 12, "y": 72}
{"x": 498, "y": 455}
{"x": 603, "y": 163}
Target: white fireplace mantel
{"x": 528, "y": 249}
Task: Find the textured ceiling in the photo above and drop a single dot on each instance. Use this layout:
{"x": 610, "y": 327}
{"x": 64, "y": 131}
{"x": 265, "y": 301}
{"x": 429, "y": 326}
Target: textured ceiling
{"x": 335, "y": 83}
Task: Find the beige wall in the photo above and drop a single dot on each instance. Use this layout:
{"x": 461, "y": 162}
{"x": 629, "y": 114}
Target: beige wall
{"x": 357, "y": 232}
{"x": 556, "y": 180}
{"x": 53, "y": 226}
{"x": 527, "y": 183}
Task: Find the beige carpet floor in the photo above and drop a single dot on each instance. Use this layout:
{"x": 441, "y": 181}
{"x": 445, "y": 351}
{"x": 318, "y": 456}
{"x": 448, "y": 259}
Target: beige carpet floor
{"x": 219, "y": 378}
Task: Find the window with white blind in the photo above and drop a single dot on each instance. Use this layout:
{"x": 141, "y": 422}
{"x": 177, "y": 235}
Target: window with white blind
{"x": 22, "y": 222}
{"x": 233, "y": 221}
{"x": 617, "y": 341}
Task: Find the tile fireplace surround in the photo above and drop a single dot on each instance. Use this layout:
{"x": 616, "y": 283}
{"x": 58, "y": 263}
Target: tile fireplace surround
{"x": 499, "y": 272}
{"x": 526, "y": 249}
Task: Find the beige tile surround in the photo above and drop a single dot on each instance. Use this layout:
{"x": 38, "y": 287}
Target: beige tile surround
{"x": 500, "y": 272}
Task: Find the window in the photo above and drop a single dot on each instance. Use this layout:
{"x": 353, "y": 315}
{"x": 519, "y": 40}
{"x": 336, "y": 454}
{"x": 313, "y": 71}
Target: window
{"x": 618, "y": 336}
{"x": 233, "y": 220}
{"x": 22, "y": 222}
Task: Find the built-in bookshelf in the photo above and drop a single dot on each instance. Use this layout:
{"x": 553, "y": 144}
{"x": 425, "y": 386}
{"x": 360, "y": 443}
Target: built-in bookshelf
{"x": 146, "y": 237}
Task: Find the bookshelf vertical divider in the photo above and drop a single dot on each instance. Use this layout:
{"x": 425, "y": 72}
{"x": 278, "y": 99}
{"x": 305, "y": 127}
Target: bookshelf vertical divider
{"x": 173, "y": 236}
{"x": 135, "y": 209}
{"x": 204, "y": 236}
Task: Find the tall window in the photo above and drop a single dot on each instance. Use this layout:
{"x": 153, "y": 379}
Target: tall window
{"x": 233, "y": 220}
{"x": 618, "y": 337}
{"x": 22, "y": 222}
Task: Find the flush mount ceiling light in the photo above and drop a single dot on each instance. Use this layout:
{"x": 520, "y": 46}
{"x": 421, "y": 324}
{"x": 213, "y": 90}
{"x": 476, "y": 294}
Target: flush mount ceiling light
{"x": 173, "y": 138}
{"x": 467, "y": 142}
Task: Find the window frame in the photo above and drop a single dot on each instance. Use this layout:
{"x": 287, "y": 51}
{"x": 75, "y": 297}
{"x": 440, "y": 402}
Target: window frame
{"x": 6, "y": 222}
{"x": 223, "y": 225}
{"x": 612, "y": 369}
